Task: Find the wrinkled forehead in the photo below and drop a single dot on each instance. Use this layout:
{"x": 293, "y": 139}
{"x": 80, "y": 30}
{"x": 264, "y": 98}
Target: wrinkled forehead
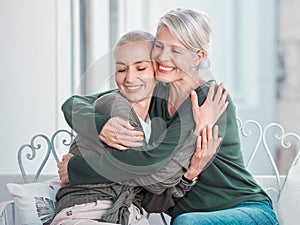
{"x": 165, "y": 36}
{"x": 133, "y": 52}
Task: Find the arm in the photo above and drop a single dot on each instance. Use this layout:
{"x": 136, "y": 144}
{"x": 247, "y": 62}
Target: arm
{"x": 82, "y": 117}
{"x": 153, "y": 203}
{"x": 207, "y": 146}
{"x": 186, "y": 163}
{"x": 130, "y": 164}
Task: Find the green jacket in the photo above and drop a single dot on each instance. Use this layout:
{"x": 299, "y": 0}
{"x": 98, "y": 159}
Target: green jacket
{"x": 223, "y": 184}
{"x": 166, "y": 138}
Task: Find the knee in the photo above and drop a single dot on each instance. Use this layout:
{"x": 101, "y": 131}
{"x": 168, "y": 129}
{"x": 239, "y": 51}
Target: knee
{"x": 183, "y": 219}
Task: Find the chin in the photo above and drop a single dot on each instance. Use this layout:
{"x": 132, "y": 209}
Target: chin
{"x": 167, "y": 78}
{"x": 133, "y": 99}
{"x": 163, "y": 78}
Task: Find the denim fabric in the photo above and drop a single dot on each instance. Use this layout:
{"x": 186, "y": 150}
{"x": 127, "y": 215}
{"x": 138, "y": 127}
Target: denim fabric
{"x": 247, "y": 213}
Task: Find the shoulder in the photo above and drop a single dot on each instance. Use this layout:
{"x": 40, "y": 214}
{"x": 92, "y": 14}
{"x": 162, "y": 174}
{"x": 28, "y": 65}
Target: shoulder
{"x": 112, "y": 103}
{"x": 110, "y": 98}
{"x": 202, "y": 89}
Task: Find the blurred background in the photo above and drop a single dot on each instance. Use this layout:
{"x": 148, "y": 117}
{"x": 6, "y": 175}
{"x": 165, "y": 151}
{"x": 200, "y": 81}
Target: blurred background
{"x": 47, "y": 47}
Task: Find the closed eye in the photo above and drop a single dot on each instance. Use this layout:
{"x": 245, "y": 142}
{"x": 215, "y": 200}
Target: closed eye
{"x": 157, "y": 45}
{"x": 176, "y": 50}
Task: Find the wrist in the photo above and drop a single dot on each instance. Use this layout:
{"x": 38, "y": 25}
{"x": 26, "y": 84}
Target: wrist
{"x": 189, "y": 180}
{"x": 198, "y": 129}
{"x": 191, "y": 173}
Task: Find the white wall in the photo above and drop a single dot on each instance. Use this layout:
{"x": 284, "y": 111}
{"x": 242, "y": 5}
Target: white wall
{"x": 98, "y": 53}
{"x": 29, "y": 74}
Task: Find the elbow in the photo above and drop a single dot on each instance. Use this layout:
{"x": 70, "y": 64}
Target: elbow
{"x": 67, "y": 110}
{"x": 67, "y": 104}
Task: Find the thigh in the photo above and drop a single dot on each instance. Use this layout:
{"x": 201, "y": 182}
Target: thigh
{"x": 83, "y": 222}
{"x": 83, "y": 214}
{"x": 250, "y": 213}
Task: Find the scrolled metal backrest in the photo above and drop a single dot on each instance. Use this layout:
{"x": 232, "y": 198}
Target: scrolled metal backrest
{"x": 247, "y": 133}
{"x": 264, "y": 135}
{"x": 50, "y": 148}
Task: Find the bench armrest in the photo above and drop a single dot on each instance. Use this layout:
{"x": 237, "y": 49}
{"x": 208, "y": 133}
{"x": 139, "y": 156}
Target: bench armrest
{"x": 7, "y": 212}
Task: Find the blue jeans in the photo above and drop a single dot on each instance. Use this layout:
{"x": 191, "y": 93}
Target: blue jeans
{"x": 247, "y": 213}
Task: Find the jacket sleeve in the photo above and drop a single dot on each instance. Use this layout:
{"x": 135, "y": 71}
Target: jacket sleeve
{"x": 154, "y": 203}
{"x": 131, "y": 163}
{"x": 171, "y": 174}
{"x": 81, "y": 115}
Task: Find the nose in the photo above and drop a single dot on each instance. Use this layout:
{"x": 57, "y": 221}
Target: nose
{"x": 130, "y": 75}
{"x": 163, "y": 55}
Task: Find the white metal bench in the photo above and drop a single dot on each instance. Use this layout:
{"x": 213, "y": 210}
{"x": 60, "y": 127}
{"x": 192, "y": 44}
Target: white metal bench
{"x": 262, "y": 140}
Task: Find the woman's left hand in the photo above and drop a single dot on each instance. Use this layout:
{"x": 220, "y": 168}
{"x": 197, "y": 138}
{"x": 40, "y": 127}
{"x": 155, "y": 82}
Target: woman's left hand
{"x": 211, "y": 110}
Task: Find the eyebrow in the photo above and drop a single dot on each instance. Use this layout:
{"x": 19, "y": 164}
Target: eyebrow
{"x": 137, "y": 62}
{"x": 172, "y": 46}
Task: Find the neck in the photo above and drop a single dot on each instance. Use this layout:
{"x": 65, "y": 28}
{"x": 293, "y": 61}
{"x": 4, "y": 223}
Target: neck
{"x": 141, "y": 108}
{"x": 180, "y": 90}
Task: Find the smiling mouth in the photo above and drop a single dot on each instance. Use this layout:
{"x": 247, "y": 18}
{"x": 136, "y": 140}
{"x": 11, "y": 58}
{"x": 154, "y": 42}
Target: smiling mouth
{"x": 165, "y": 69}
{"x": 133, "y": 87}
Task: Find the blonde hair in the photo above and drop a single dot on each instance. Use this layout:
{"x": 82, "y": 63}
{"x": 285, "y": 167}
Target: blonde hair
{"x": 192, "y": 28}
{"x": 135, "y": 36}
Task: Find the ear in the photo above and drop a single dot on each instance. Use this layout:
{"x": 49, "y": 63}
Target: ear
{"x": 200, "y": 55}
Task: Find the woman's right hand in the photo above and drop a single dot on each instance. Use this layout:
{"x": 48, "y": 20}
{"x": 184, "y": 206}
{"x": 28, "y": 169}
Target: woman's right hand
{"x": 63, "y": 168}
{"x": 120, "y": 134}
{"x": 206, "y": 148}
